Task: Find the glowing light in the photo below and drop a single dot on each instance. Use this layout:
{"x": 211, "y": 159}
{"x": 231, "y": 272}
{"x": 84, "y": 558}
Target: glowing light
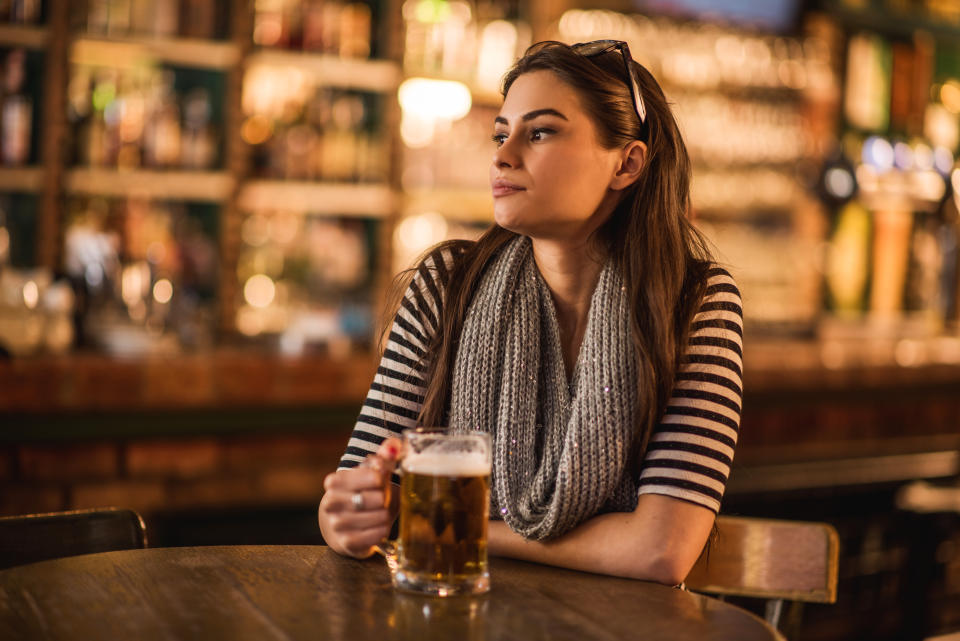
{"x": 950, "y": 96}
{"x": 498, "y": 43}
{"x": 923, "y": 156}
{"x": 256, "y": 129}
{"x": 163, "y": 291}
{"x": 259, "y": 290}
{"x": 134, "y": 281}
{"x": 249, "y": 321}
{"x": 416, "y": 233}
{"x": 942, "y": 160}
{"x": 878, "y": 152}
{"x": 426, "y": 103}
{"x": 31, "y": 294}
{"x": 446, "y": 99}
{"x": 839, "y": 182}
{"x": 902, "y": 155}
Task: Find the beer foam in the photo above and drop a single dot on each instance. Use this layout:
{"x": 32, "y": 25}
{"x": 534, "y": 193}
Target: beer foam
{"x": 447, "y": 464}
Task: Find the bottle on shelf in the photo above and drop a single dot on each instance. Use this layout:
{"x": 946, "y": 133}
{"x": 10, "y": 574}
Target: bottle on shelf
{"x": 21, "y": 11}
{"x": 161, "y": 18}
{"x": 198, "y": 18}
{"x": 16, "y": 112}
{"x": 155, "y": 17}
{"x": 198, "y": 142}
{"x": 320, "y": 26}
{"x": 304, "y": 281}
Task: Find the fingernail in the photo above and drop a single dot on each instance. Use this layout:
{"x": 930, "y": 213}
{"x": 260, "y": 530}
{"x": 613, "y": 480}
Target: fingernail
{"x": 392, "y": 450}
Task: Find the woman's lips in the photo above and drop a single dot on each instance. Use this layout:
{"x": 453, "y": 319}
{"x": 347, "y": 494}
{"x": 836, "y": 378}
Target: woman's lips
{"x": 504, "y": 188}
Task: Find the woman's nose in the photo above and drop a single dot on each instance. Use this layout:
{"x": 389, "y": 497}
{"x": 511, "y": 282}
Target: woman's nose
{"x": 506, "y": 156}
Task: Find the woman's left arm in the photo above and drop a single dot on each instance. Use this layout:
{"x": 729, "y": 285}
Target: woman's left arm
{"x": 659, "y": 541}
{"x": 685, "y": 468}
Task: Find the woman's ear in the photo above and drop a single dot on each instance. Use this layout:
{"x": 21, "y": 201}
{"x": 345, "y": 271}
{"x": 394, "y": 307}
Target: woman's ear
{"x": 632, "y": 159}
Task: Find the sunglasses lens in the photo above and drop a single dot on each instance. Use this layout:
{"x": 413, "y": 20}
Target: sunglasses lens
{"x": 590, "y": 49}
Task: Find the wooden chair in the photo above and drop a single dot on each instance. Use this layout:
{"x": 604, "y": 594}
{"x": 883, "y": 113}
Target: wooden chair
{"x": 772, "y": 560}
{"x": 38, "y": 537}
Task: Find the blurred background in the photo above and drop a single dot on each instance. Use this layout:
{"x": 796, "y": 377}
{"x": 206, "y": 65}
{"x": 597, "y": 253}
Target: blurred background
{"x": 203, "y": 204}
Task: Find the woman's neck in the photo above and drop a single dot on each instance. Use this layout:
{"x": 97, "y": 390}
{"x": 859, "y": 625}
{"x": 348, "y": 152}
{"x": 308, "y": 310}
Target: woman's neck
{"x": 571, "y": 272}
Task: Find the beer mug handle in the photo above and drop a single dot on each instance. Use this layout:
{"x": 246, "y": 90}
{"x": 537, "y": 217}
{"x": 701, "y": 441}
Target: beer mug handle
{"x": 388, "y": 550}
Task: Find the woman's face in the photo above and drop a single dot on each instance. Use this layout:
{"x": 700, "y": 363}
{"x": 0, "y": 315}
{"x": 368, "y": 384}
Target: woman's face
{"x": 549, "y": 174}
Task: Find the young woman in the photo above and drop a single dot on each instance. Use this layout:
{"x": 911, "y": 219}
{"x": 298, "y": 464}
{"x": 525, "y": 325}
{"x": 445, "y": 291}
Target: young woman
{"x": 587, "y": 330}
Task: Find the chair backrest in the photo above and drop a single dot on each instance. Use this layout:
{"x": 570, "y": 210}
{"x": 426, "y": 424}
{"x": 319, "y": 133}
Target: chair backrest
{"x": 38, "y": 537}
{"x": 770, "y": 559}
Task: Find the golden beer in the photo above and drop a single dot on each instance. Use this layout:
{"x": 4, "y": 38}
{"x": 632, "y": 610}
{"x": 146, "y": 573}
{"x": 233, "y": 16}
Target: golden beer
{"x": 444, "y": 508}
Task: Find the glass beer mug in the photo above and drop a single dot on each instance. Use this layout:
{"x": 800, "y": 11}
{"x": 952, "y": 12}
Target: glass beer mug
{"x": 444, "y": 507}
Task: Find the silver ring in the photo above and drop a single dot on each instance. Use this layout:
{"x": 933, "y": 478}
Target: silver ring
{"x": 357, "y": 501}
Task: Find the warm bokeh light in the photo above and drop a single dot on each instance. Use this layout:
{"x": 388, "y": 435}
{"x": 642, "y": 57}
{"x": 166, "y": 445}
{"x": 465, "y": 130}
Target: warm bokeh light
{"x": 31, "y": 294}
{"x": 416, "y": 233}
{"x": 427, "y": 103}
{"x": 256, "y": 129}
{"x": 163, "y": 291}
{"x": 259, "y": 290}
{"x": 950, "y": 96}
{"x": 134, "y": 281}
{"x": 446, "y": 99}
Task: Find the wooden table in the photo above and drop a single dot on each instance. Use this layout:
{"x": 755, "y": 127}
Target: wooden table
{"x": 304, "y": 592}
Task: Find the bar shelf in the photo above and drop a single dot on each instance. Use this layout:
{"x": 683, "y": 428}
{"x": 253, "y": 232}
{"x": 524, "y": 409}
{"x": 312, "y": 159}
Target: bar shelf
{"x": 183, "y": 52}
{"x": 21, "y": 179}
{"x": 342, "y": 199}
{"x": 366, "y": 75}
{"x": 204, "y": 186}
{"x": 23, "y": 36}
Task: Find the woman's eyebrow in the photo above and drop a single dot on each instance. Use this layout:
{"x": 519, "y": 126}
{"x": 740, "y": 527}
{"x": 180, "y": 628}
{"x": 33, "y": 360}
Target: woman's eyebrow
{"x": 530, "y": 115}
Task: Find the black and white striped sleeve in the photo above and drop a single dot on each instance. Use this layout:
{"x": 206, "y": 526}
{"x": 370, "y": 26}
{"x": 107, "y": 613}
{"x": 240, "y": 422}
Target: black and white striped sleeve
{"x": 396, "y": 394}
{"x": 691, "y": 450}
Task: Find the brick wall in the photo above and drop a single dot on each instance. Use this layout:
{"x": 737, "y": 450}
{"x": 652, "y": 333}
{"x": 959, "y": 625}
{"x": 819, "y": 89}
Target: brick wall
{"x": 158, "y": 474}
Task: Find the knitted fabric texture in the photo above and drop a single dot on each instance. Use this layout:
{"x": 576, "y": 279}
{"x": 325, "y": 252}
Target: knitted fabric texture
{"x": 560, "y": 453}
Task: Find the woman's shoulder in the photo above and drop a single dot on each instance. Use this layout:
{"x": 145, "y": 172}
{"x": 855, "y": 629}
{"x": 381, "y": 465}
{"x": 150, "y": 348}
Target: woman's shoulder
{"x": 442, "y": 258}
{"x": 721, "y": 292}
{"x": 432, "y": 273}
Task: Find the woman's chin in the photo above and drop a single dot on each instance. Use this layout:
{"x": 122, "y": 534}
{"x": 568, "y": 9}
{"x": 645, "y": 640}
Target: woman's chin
{"x": 508, "y": 220}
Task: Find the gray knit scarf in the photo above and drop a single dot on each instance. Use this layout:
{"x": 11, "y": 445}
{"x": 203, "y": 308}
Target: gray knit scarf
{"x": 560, "y": 454}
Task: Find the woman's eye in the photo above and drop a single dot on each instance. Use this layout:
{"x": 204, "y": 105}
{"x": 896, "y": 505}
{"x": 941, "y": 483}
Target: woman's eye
{"x": 539, "y": 133}
{"x": 499, "y": 138}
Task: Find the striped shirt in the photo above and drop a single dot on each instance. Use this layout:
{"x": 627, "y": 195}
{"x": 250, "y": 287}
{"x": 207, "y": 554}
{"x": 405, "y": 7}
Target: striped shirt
{"x": 690, "y": 450}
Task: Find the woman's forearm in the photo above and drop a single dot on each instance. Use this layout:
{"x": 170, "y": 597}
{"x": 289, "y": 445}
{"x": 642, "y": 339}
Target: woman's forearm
{"x": 660, "y": 541}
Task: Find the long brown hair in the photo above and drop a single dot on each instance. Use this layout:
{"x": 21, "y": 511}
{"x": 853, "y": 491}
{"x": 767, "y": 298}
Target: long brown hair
{"x": 662, "y": 257}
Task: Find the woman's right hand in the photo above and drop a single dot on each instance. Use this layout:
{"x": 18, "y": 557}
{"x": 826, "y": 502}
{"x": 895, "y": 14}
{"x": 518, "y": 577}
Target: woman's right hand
{"x": 354, "y": 526}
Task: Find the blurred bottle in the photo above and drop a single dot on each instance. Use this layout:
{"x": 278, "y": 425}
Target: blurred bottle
{"x": 867, "y": 98}
{"x": 293, "y": 24}
{"x": 118, "y": 17}
{"x": 198, "y": 145}
{"x": 4, "y": 233}
{"x": 21, "y": 11}
{"x": 948, "y": 236}
{"x": 98, "y": 16}
{"x": 17, "y": 111}
{"x": 268, "y": 24}
{"x": 198, "y": 18}
{"x": 155, "y": 17}
{"x": 314, "y": 15}
{"x": 162, "y": 137}
{"x": 922, "y": 293}
{"x": 848, "y": 260}
{"x": 891, "y": 251}
{"x": 355, "y": 31}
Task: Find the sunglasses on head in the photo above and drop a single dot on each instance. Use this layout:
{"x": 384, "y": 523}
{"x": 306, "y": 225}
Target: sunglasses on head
{"x": 600, "y": 47}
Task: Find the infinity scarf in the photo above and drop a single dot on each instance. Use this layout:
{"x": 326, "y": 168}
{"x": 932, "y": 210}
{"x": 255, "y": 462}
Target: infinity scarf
{"x": 560, "y": 452}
